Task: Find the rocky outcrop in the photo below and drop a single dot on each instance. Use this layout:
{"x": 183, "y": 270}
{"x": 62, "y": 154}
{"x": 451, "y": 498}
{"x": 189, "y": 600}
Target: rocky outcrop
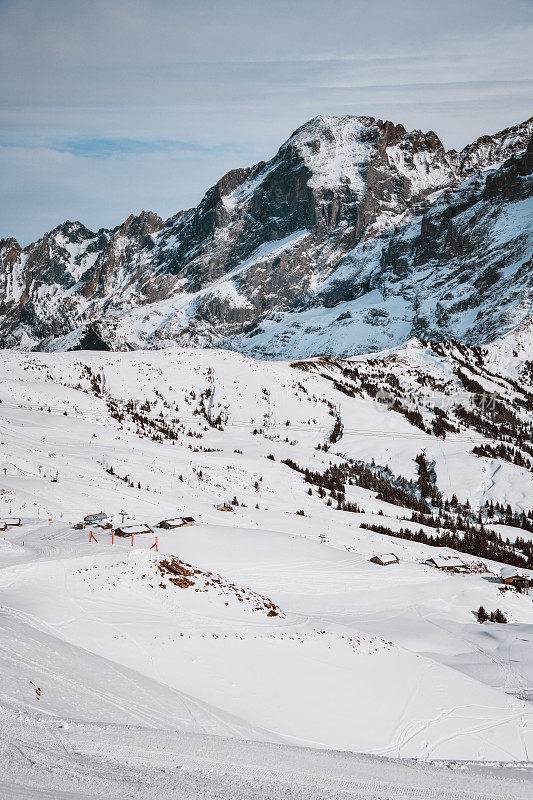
{"x": 509, "y": 183}
{"x": 357, "y": 234}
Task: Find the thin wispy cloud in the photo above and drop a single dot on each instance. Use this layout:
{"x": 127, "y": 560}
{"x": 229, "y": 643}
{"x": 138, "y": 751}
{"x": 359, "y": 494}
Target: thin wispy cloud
{"x": 108, "y": 148}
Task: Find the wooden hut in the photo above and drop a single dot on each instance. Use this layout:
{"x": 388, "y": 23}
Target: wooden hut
{"x": 447, "y": 563}
{"x": 133, "y": 530}
{"x": 384, "y": 559}
{"x": 176, "y": 522}
{"x": 11, "y": 522}
{"x": 510, "y": 576}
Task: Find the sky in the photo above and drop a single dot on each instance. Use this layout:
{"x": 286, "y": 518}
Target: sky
{"x": 111, "y": 107}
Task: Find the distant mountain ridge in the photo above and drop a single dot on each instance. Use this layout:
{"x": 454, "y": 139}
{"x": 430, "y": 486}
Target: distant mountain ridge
{"x": 355, "y": 236}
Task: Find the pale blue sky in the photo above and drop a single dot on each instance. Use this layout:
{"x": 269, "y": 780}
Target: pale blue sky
{"x": 113, "y": 106}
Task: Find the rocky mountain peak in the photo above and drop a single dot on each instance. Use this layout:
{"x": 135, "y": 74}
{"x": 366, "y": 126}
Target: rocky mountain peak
{"x": 355, "y": 235}
{"x": 10, "y": 244}
{"x": 335, "y": 150}
{"x": 73, "y": 231}
{"x": 141, "y": 225}
{"x": 492, "y": 150}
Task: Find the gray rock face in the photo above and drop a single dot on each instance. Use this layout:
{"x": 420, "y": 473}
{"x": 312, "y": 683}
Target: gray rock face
{"x": 355, "y": 236}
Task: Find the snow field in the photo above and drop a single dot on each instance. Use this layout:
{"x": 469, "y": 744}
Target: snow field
{"x": 387, "y": 661}
{"x": 309, "y": 679}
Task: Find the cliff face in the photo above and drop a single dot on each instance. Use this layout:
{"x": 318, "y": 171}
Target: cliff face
{"x": 355, "y": 236}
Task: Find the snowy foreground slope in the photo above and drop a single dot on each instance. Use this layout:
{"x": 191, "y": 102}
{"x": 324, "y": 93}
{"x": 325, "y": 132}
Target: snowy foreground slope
{"x": 258, "y": 651}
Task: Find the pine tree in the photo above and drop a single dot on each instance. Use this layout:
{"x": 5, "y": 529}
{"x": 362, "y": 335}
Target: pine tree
{"x": 499, "y": 616}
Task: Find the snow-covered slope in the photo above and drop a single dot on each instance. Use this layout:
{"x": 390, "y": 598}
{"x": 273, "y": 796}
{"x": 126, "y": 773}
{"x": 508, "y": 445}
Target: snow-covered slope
{"x": 267, "y": 625}
{"x": 355, "y": 236}
{"x": 258, "y": 670}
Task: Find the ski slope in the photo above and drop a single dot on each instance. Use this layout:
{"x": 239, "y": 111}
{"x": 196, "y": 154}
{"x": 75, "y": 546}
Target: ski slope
{"x": 286, "y": 664}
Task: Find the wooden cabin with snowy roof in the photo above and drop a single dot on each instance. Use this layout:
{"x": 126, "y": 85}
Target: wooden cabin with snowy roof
{"x": 447, "y": 563}
{"x": 509, "y": 575}
{"x": 385, "y": 559}
{"x": 133, "y": 530}
{"x": 176, "y": 522}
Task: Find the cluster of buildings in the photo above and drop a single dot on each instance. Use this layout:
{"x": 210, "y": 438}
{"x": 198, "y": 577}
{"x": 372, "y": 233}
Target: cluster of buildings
{"x": 101, "y": 520}
{"x": 453, "y": 564}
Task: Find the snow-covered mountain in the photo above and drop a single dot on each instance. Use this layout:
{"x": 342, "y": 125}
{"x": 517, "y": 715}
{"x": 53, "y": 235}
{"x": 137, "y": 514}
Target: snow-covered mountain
{"x": 356, "y": 236}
